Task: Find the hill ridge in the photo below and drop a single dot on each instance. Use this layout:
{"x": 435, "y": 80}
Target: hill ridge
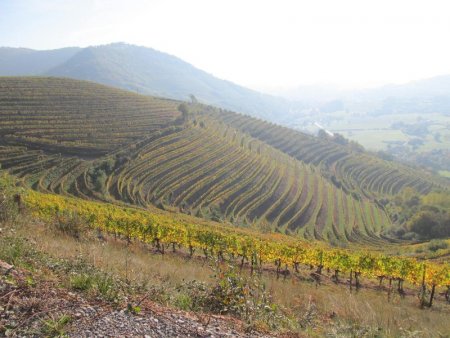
{"x": 148, "y": 71}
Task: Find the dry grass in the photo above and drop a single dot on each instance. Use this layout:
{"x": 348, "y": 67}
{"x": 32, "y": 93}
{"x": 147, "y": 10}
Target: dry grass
{"x": 135, "y": 262}
{"x": 331, "y": 310}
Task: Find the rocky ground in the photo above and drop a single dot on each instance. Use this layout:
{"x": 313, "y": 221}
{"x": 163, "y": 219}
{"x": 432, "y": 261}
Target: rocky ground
{"x": 44, "y": 308}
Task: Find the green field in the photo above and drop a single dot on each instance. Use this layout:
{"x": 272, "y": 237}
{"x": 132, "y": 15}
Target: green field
{"x": 376, "y": 132}
{"x": 444, "y": 173}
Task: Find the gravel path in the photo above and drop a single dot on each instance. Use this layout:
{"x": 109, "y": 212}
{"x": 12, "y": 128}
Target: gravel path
{"x": 26, "y": 306}
{"x": 169, "y": 324}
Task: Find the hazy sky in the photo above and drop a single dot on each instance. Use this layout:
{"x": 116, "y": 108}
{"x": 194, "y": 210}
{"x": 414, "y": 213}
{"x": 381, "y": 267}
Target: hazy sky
{"x": 254, "y": 43}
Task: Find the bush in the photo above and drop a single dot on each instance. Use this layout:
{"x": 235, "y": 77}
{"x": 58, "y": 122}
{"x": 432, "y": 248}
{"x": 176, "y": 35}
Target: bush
{"x": 10, "y": 198}
{"x": 193, "y": 296}
{"x": 235, "y": 294}
{"x": 435, "y": 245}
{"x": 431, "y": 224}
{"x": 398, "y": 231}
{"x": 410, "y": 236}
{"x": 70, "y": 224}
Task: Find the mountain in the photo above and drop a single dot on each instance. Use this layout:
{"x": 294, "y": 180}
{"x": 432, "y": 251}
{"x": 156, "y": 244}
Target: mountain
{"x": 426, "y": 88}
{"x": 80, "y": 138}
{"x": 24, "y": 61}
{"x": 430, "y": 95}
{"x": 146, "y": 71}
{"x": 424, "y": 96}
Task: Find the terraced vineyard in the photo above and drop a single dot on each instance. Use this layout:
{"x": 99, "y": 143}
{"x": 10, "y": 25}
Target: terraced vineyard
{"x": 76, "y": 117}
{"x": 78, "y": 138}
{"x": 354, "y": 171}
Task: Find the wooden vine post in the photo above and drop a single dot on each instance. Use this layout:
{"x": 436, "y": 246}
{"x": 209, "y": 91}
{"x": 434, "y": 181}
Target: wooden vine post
{"x": 423, "y": 287}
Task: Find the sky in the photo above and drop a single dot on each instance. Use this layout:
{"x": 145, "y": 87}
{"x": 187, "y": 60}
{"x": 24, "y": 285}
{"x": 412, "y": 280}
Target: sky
{"x": 260, "y": 44}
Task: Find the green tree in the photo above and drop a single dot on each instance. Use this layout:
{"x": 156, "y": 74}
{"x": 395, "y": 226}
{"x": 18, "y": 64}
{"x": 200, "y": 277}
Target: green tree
{"x": 193, "y": 99}
{"x": 184, "y": 110}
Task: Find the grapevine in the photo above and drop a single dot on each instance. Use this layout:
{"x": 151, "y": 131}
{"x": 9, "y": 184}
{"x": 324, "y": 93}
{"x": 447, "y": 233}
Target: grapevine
{"x": 165, "y": 230}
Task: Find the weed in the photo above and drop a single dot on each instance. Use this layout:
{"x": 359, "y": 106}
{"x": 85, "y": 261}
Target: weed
{"x": 133, "y": 309}
{"x": 17, "y": 251}
{"x": 106, "y": 286}
{"x": 81, "y": 282}
{"x": 96, "y": 282}
{"x": 184, "y": 302}
{"x": 55, "y": 327}
{"x": 159, "y": 294}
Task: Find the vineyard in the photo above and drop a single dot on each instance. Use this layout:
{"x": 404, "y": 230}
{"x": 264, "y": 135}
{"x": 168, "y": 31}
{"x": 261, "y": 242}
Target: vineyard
{"x": 351, "y": 169}
{"x": 76, "y": 118}
{"x": 165, "y": 232}
{"x": 81, "y": 139}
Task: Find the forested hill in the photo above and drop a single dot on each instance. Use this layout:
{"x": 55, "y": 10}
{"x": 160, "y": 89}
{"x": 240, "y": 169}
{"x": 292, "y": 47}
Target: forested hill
{"x": 146, "y": 71}
{"x": 24, "y": 61}
{"x": 84, "y": 139}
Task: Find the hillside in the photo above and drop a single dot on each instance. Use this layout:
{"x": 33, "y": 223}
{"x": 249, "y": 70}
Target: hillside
{"x": 224, "y": 169}
{"x": 113, "y": 145}
{"x": 79, "y": 138}
{"x": 168, "y": 223}
{"x": 79, "y": 314}
{"x": 347, "y": 165}
{"x": 74, "y": 267}
{"x": 74, "y": 117}
{"x": 425, "y": 96}
{"x": 142, "y": 70}
{"x": 24, "y": 61}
